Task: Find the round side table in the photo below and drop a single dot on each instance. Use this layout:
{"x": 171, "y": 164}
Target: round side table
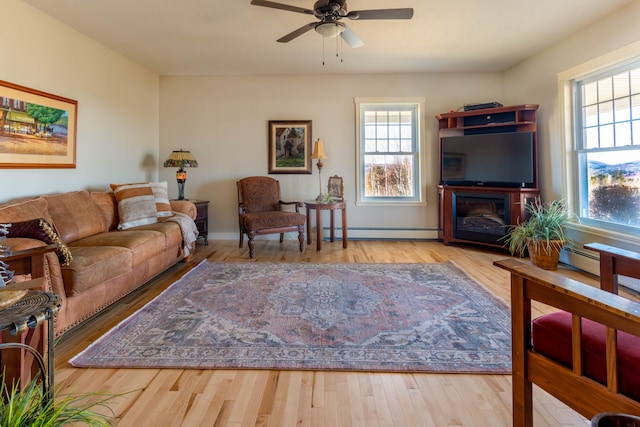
{"x": 31, "y": 311}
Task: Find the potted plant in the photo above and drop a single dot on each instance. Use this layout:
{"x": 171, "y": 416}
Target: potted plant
{"x": 30, "y": 407}
{"x": 542, "y": 234}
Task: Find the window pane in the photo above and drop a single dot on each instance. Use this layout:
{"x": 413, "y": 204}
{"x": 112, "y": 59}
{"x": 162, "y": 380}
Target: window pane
{"x": 590, "y": 94}
{"x": 591, "y": 138}
{"x": 606, "y": 136}
{"x": 370, "y": 146}
{"x": 590, "y": 115}
{"x": 369, "y": 117}
{"x": 622, "y": 109}
{"x": 621, "y": 85}
{"x": 382, "y": 146}
{"x": 605, "y": 89}
{"x": 382, "y": 132}
{"x": 394, "y": 145}
{"x": 634, "y": 77}
{"x": 635, "y": 107}
{"x": 635, "y": 133}
{"x": 388, "y": 176}
{"x": 605, "y": 112}
{"x": 613, "y": 187}
{"x": 623, "y": 134}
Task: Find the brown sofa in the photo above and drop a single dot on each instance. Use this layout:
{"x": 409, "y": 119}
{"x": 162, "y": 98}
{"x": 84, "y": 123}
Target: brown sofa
{"x": 106, "y": 263}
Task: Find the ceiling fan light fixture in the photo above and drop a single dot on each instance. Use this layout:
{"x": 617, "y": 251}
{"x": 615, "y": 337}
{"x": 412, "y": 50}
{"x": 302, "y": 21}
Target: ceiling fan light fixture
{"x": 330, "y": 30}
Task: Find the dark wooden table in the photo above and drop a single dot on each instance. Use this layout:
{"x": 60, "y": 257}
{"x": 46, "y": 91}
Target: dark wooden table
{"x": 318, "y": 207}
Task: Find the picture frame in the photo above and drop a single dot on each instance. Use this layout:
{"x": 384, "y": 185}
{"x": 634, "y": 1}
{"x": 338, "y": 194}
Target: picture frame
{"x": 335, "y": 187}
{"x": 37, "y": 129}
{"x": 453, "y": 165}
{"x": 289, "y": 146}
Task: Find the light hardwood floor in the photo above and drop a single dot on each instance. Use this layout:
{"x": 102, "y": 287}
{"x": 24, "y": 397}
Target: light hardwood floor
{"x": 173, "y": 397}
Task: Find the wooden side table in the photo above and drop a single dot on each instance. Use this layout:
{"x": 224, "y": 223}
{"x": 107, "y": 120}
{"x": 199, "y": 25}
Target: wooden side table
{"x": 331, "y": 207}
{"x": 202, "y": 218}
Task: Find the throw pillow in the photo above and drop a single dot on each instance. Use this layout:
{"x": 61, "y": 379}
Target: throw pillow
{"x": 41, "y": 230}
{"x": 136, "y": 205}
{"x": 161, "y": 194}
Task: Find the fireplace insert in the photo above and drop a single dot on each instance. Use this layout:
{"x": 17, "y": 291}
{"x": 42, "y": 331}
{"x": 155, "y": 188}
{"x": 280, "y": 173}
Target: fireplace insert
{"x": 481, "y": 217}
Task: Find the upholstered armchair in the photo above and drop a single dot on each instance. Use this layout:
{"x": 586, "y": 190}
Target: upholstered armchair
{"x": 260, "y": 211}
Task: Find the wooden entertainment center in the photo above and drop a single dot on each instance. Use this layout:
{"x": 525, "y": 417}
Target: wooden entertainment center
{"x": 472, "y": 212}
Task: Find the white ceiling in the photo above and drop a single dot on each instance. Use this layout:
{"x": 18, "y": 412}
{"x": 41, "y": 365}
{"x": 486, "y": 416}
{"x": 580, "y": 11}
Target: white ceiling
{"x": 203, "y": 37}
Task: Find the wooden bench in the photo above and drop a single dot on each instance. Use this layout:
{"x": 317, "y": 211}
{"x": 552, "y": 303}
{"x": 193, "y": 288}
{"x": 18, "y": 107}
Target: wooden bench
{"x": 570, "y": 384}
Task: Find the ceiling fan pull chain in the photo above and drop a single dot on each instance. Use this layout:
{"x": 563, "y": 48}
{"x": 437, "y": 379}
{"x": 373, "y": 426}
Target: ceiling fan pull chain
{"x": 323, "y": 51}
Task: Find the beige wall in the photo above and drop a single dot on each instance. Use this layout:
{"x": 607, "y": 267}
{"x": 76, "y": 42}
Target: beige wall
{"x": 223, "y": 121}
{"x": 117, "y": 102}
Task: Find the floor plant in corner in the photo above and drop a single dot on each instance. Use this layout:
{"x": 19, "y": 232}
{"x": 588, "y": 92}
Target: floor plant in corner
{"x": 542, "y": 234}
{"x": 30, "y": 407}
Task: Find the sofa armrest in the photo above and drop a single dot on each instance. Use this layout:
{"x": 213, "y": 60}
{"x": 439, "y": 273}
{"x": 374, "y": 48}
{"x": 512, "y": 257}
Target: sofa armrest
{"x": 569, "y": 385}
{"x": 184, "y": 206}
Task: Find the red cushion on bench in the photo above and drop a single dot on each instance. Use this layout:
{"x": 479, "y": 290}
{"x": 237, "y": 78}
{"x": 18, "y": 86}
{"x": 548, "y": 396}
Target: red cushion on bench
{"x": 551, "y": 336}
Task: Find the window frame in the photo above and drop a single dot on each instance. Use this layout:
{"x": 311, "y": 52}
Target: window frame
{"x": 574, "y": 176}
{"x": 417, "y": 104}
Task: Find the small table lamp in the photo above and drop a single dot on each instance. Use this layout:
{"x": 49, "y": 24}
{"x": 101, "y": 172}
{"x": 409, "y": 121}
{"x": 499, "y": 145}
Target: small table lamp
{"x": 318, "y": 153}
{"x": 181, "y": 159}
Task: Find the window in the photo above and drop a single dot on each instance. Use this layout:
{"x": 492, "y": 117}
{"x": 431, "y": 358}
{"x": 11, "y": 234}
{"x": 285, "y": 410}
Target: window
{"x": 607, "y": 150}
{"x": 389, "y": 159}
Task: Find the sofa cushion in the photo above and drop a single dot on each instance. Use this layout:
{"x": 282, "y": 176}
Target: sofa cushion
{"x": 108, "y": 205}
{"x": 93, "y": 265}
{"x": 143, "y": 244}
{"x": 75, "y": 215}
{"x": 136, "y": 204}
{"x": 551, "y": 337}
{"x": 40, "y": 229}
{"x": 161, "y": 195}
{"x": 23, "y": 210}
{"x": 170, "y": 230}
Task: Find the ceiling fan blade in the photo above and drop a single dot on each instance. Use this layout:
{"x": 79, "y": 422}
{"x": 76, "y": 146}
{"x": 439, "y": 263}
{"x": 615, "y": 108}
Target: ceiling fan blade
{"x": 281, "y": 6}
{"x": 406, "y": 13}
{"x": 300, "y": 31}
{"x": 351, "y": 38}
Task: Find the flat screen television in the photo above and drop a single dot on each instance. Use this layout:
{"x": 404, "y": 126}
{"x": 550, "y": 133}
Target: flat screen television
{"x": 490, "y": 159}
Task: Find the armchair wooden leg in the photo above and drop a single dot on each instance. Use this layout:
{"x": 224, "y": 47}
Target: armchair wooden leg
{"x": 281, "y": 237}
{"x": 301, "y": 236}
{"x": 251, "y": 243}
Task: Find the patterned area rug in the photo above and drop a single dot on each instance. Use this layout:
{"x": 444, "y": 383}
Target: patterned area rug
{"x": 373, "y": 317}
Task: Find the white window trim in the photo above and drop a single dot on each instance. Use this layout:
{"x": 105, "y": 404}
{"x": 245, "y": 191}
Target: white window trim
{"x": 421, "y": 102}
{"x": 567, "y": 110}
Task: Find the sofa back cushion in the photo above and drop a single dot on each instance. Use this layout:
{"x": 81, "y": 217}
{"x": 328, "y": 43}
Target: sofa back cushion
{"x": 24, "y": 210}
{"x": 76, "y": 215}
{"x": 108, "y": 204}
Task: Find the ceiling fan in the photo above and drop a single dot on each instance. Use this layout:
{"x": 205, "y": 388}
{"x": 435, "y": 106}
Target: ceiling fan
{"x": 330, "y": 12}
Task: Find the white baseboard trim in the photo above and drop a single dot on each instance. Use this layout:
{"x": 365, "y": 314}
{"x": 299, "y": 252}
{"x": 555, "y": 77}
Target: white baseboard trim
{"x": 353, "y": 233}
{"x": 589, "y": 261}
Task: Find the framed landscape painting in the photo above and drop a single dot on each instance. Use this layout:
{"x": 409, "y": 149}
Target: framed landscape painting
{"x": 37, "y": 129}
{"x": 290, "y": 146}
